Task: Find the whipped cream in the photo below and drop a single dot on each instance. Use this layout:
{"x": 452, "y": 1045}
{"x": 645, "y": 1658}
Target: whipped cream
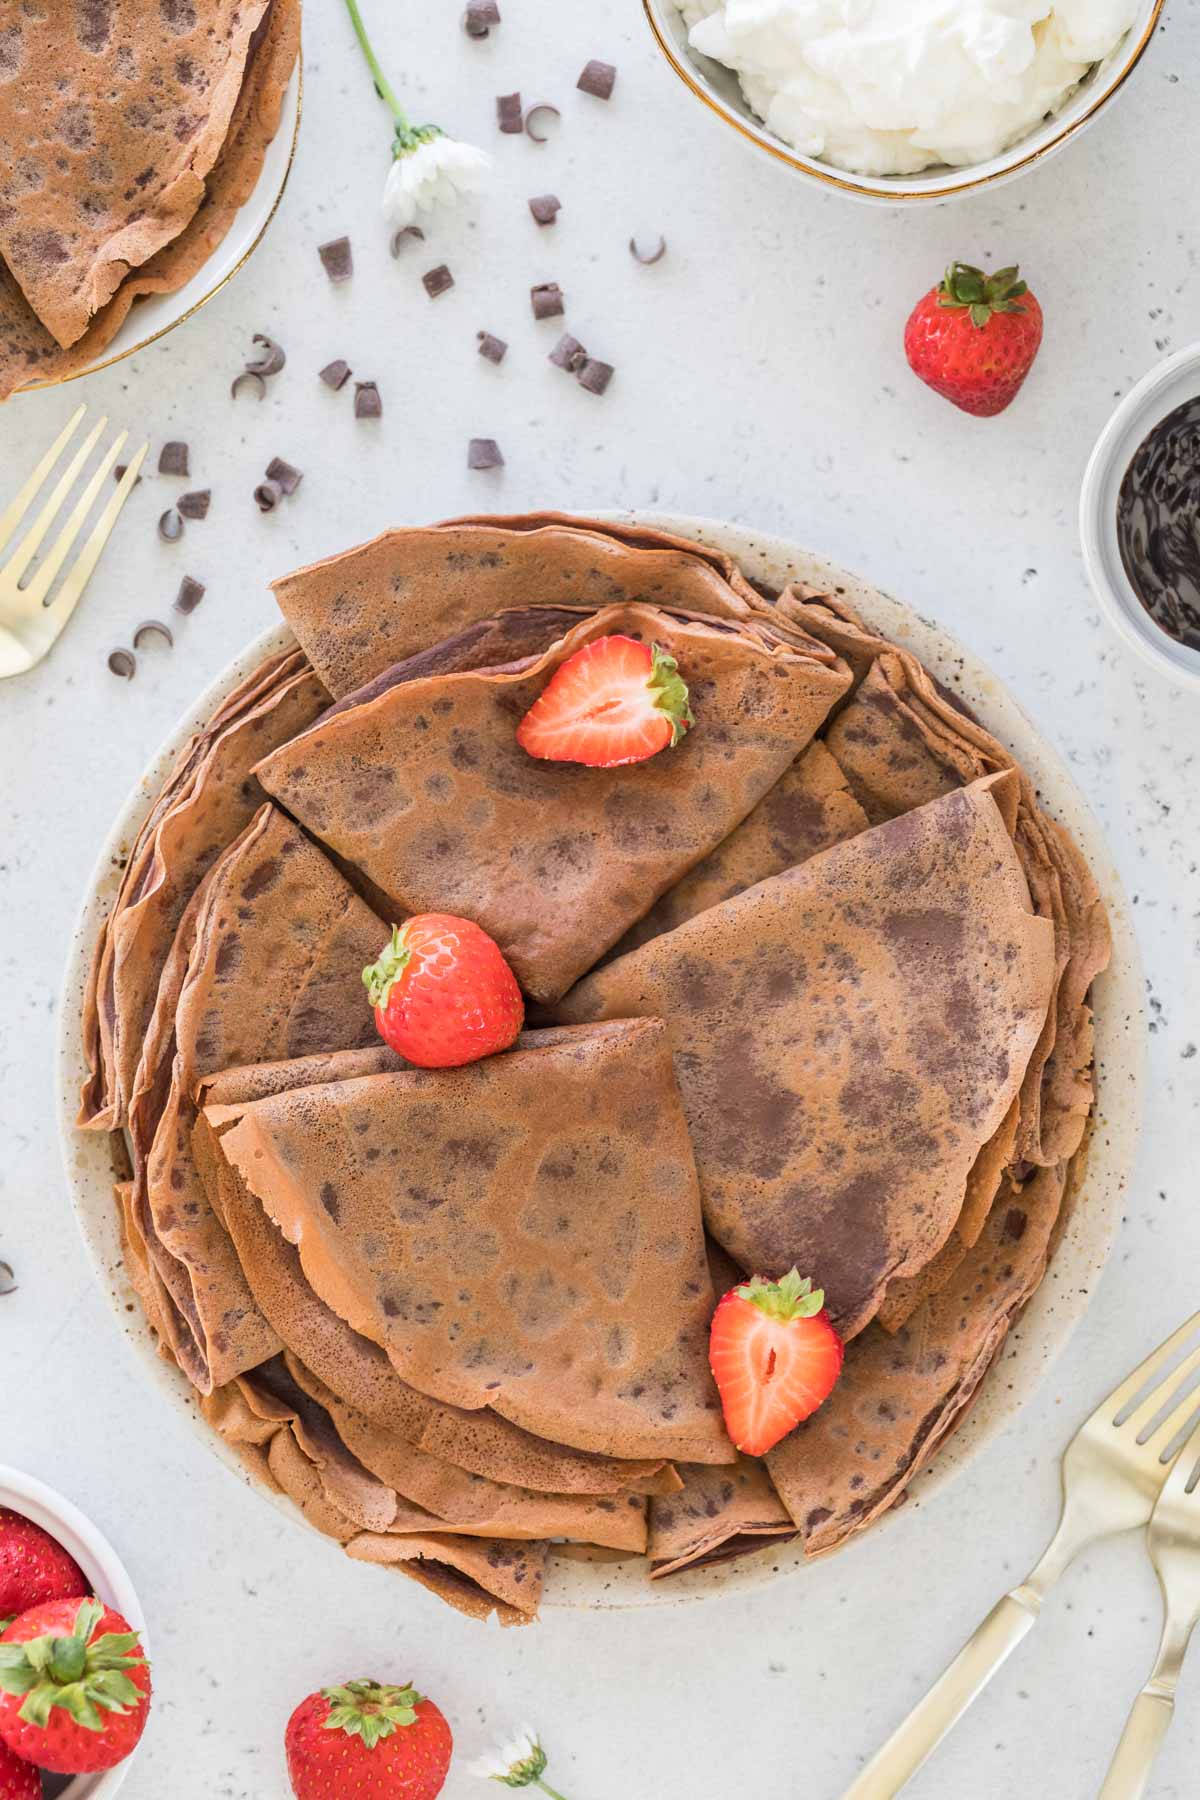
{"x": 888, "y": 87}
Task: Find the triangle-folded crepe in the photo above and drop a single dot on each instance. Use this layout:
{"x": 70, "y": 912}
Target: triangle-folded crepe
{"x": 847, "y": 1037}
{"x": 522, "y": 1234}
{"x": 425, "y": 789}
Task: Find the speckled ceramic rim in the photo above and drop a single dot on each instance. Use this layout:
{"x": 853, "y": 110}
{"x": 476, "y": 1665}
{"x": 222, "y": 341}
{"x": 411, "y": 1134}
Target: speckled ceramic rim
{"x": 103, "y": 1568}
{"x": 248, "y": 218}
{"x": 1167, "y": 386}
{"x": 1060, "y": 1302}
{"x": 943, "y": 183}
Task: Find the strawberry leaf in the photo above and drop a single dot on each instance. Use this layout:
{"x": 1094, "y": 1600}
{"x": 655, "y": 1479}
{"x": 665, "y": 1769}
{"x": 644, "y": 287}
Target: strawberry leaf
{"x": 670, "y": 692}
{"x": 368, "y": 1711}
{"x": 380, "y": 977}
{"x": 792, "y": 1297}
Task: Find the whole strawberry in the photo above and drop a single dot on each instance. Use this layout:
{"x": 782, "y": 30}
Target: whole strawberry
{"x": 974, "y": 337}
{"x": 74, "y": 1686}
{"x": 443, "y": 993}
{"x": 19, "y": 1780}
{"x": 33, "y": 1566}
{"x": 377, "y": 1743}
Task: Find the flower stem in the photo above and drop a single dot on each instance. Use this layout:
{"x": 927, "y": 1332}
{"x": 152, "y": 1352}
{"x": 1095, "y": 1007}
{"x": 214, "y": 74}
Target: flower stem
{"x": 547, "y": 1789}
{"x": 382, "y": 85}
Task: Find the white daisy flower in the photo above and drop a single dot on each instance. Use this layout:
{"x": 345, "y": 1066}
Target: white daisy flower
{"x": 518, "y": 1764}
{"x": 430, "y": 170}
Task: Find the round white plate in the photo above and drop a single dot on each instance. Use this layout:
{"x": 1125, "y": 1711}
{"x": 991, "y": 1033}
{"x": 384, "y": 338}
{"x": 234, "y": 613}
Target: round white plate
{"x": 155, "y": 314}
{"x": 1056, "y": 1308}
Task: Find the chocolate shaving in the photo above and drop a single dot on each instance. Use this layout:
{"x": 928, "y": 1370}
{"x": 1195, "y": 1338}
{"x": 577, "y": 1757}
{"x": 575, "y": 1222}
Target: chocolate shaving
{"x": 656, "y": 255}
{"x": 493, "y": 348}
{"x": 267, "y": 496}
{"x": 251, "y": 375}
{"x": 479, "y": 17}
{"x": 285, "y": 473}
{"x": 546, "y": 299}
{"x": 545, "y": 208}
{"x": 437, "y": 281}
{"x": 337, "y": 258}
{"x": 336, "y": 374}
{"x": 568, "y": 353}
{"x": 190, "y": 594}
{"x": 484, "y": 453}
{"x": 367, "y": 401}
{"x": 196, "y": 504}
{"x": 509, "y": 115}
{"x": 119, "y": 474}
{"x": 598, "y": 78}
{"x": 270, "y": 358}
{"x": 148, "y": 627}
{"x": 406, "y": 231}
{"x": 594, "y": 375}
{"x": 170, "y": 526}
{"x": 8, "y": 1281}
{"x": 122, "y": 663}
{"x": 543, "y": 106}
{"x": 173, "y": 459}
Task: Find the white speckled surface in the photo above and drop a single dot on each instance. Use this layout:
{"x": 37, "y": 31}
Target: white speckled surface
{"x": 760, "y": 379}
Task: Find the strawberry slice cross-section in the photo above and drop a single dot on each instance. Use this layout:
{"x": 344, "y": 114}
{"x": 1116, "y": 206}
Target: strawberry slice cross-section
{"x": 775, "y": 1358}
{"x": 615, "y": 701}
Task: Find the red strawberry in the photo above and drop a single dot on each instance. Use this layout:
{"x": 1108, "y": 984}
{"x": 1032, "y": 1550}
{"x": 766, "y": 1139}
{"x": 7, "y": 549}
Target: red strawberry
{"x": 380, "y": 1743}
{"x": 77, "y": 1698}
{"x": 973, "y": 339}
{"x": 443, "y": 993}
{"x": 775, "y": 1357}
{"x": 19, "y": 1780}
{"x": 615, "y": 701}
{"x": 33, "y": 1566}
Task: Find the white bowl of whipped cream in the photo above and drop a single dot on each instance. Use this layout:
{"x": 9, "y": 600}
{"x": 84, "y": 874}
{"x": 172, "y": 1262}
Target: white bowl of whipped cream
{"x": 894, "y": 101}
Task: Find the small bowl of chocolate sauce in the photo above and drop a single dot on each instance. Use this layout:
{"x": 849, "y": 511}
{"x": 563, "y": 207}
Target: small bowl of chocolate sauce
{"x": 1140, "y": 517}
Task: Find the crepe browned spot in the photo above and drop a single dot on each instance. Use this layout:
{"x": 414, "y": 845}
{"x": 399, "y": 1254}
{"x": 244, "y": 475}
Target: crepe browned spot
{"x": 489, "y": 1227}
{"x": 358, "y": 613}
{"x": 426, "y": 789}
{"x": 847, "y": 1036}
{"x": 720, "y": 1514}
{"x": 898, "y": 1397}
{"x": 28, "y": 352}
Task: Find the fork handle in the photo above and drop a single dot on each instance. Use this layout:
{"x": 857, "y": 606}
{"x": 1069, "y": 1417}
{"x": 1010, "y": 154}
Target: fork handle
{"x": 1147, "y": 1725}
{"x": 949, "y": 1697}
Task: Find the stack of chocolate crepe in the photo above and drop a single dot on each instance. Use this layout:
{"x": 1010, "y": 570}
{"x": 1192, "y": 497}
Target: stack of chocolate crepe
{"x": 809, "y": 989}
{"x": 130, "y": 136}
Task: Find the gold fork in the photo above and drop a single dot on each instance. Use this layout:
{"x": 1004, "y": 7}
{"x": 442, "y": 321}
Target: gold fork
{"x": 1113, "y": 1471}
{"x": 1174, "y": 1544}
{"x": 30, "y": 622}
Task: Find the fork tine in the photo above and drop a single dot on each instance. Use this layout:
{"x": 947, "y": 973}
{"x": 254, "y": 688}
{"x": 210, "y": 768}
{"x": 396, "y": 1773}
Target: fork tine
{"x": 39, "y": 587}
{"x": 79, "y": 574}
{"x": 12, "y": 515}
{"x": 29, "y": 545}
{"x": 1175, "y": 1486}
{"x": 1153, "y": 1365}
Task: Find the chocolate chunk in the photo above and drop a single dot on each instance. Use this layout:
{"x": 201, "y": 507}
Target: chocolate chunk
{"x": 338, "y": 259}
{"x": 401, "y": 237}
{"x": 545, "y": 208}
{"x": 367, "y": 401}
{"x": 656, "y": 254}
{"x": 119, "y": 474}
{"x": 336, "y": 374}
{"x": 270, "y": 358}
{"x": 437, "y": 281}
{"x": 173, "y": 459}
{"x": 248, "y": 375}
{"x": 170, "y": 526}
{"x": 479, "y": 17}
{"x": 484, "y": 453}
{"x": 568, "y": 353}
{"x": 546, "y": 299}
{"x": 288, "y": 477}
{"x": 8, "y": 1281}
{"x": 150, "y": 627}
{"x": 598, "y": 78}
{"x": 190, "y": 594}
{"x": 509, "y": 114}
{"x": 543, "y": 106}
{"x": 493, "y": 348}
{"x": 122, "y": 663}
{"x": 196, "y": 504}
{"x": 267, "y": 496}
{"x": 594, "y": 375}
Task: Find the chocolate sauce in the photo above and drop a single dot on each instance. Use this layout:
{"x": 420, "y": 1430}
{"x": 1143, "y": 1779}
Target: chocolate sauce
{"x": 1158, "y": 523}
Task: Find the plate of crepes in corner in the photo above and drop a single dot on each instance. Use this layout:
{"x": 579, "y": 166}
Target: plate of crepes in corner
{"x": 143, "y": 152}
{"x": 837, "y": 976}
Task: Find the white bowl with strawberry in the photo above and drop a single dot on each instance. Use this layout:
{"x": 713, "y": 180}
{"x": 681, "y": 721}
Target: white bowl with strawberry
{"x": 75, "y": 1709}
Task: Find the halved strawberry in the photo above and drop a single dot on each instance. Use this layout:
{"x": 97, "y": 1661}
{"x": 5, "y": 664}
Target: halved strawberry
{"x": 615, "y": 701}
{"x": 775, "y": 1357}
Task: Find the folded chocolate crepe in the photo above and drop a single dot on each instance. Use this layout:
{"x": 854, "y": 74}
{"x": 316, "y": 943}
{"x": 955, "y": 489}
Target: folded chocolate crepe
{"x": 899, "y": 1396}
{"x": 489, "y": 1228}
{"x": 720, "y": 1515}
{"x": 478, "y": 1444}
{"x": 425, "y": 789}
{"x": 30, "y": 353}
{"x": 271, "y": 950}
{"x": 107, "y": 132}
{"x": 847, "y": 1036}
